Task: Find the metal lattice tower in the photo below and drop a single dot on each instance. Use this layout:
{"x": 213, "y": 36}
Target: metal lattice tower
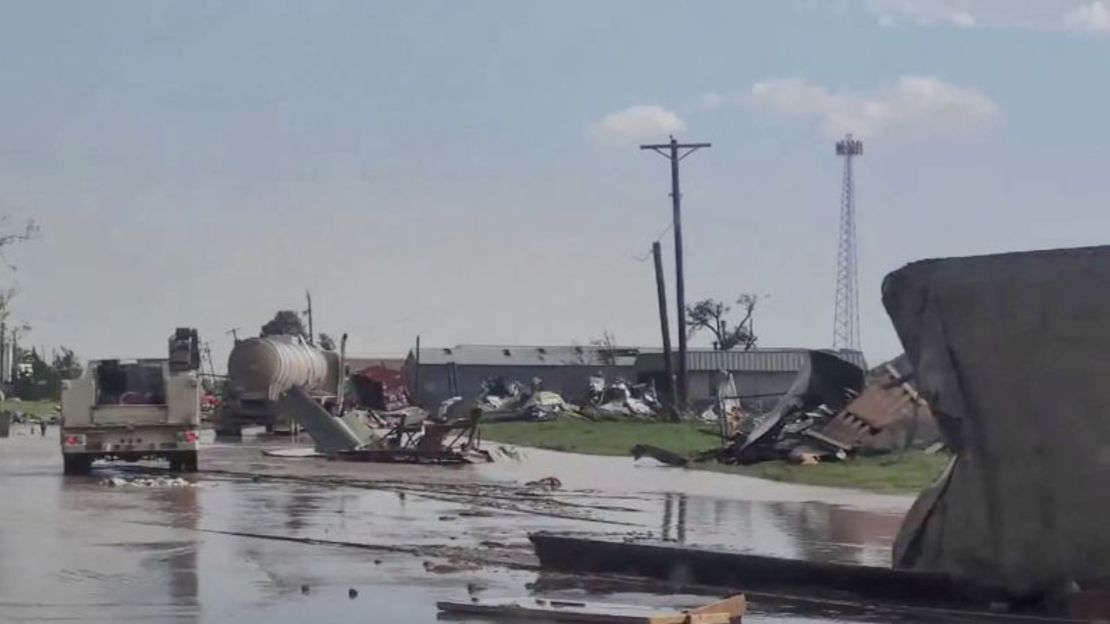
{"x": 846, "y": 317}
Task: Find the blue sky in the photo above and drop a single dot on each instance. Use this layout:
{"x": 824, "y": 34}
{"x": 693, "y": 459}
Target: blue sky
{"x": 468, "y": 170}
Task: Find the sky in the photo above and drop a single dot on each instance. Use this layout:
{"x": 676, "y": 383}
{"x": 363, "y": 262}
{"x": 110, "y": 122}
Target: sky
{"x": 468, "y": 170}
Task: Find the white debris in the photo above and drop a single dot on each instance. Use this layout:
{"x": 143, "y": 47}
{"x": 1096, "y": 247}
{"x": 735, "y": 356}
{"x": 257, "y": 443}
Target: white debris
{"x": 146, "y": 482}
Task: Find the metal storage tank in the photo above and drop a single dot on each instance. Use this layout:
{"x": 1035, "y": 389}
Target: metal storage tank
{"x": 264, "y": 368}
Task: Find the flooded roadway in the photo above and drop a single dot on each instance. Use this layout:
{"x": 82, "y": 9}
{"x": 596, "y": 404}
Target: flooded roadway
{"x": 285, "y": 540}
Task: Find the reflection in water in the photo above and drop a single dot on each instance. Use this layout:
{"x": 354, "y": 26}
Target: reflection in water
{"x": 301, "y": 505}
{"x": 181, "y": 508}
{"x": 671, "y": 519}
{"x": 811, "y": 531}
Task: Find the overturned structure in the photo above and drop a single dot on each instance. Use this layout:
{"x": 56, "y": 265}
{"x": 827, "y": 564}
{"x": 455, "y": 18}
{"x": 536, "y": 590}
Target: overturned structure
{"x": 1011, "y": 354}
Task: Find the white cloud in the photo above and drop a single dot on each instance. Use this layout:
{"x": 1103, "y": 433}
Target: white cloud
{"x": 711, "y": 101}
{"x": 640, "y": 122}
{"x": 913, "y": 106}
{"x": 1093, "y": 17}
{"x": 1075, "y": 15}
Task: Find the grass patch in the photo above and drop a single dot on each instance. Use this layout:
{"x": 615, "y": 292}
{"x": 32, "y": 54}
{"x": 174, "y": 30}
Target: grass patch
{"x": 36, "y": 409}
{"x": 895, "y": 473}
{"x": 601, "y": 438}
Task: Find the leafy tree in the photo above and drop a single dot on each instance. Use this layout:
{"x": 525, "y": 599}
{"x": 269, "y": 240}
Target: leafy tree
{"x": 66, "y": 364}
{"x": 709, "y": 315}
{"x": 39, "y": 380}
{"x": 285, "y": 322}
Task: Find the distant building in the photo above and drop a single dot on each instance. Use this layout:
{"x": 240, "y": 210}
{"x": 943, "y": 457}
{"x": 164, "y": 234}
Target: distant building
{"x": 762, "y": 375}
{"x": 459, "y": 371}
{"x": 356, "y": 363}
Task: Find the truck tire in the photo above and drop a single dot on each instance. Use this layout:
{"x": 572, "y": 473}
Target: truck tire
{"x": 189, "y": 462}
{"x": 185, "y": 461}
{"x": 76, "y": 464}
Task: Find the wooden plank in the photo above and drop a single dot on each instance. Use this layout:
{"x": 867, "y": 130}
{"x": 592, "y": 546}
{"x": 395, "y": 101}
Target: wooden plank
{"x": 734, "y": 607}
{"x": 722, "y": 612}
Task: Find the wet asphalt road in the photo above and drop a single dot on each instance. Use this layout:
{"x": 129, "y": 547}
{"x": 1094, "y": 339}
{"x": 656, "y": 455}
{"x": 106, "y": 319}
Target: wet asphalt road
{"x": 403, "y": 537}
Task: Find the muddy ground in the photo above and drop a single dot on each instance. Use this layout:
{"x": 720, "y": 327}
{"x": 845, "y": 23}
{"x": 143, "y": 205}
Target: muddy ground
{"x": 254, "y": 538}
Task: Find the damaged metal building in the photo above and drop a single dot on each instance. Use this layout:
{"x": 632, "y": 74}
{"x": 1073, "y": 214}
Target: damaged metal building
{"x": 436, "y": 374}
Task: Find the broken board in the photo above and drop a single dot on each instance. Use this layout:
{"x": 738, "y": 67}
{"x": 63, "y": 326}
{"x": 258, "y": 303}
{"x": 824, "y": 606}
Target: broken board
{"x": 721, "y": 612}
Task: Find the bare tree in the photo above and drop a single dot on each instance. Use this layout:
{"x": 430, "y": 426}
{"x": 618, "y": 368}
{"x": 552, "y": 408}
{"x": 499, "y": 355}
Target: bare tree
{"x": 710, "y": 315}
{"x": 606, "y": 347}
{"x": 29, "y": 231}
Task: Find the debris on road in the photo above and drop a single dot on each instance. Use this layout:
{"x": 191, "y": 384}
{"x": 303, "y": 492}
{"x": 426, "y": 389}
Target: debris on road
{"x": 547, "y": 483}
{"x": 725, "y": 611}
{"x": 658, "y": 454}
{"x": 293, "y": 453}
{"x": 147, "y": 482}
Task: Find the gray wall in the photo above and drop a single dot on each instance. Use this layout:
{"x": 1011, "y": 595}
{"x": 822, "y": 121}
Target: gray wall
{"x": 569, "y": 381}
{"x": 703, "y": 387}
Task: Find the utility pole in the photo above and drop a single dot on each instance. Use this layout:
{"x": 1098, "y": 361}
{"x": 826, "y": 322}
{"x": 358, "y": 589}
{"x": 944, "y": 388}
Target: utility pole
{"x": 206, "y": 353}
{"x": 675, "y": 152}
{"x": 308, "y": 313}
{"x": 416, "y": 374}
{"x": 661, "y": 290}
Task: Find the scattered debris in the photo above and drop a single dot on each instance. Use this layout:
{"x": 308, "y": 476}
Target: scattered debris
{"x": 619, "y": 399}
{"x": 509, "y": 452}
{"x": 546, "y": 483}
{"x": 292, "y": 453}
{"x": 146, "y": 482}
{"x": 720, "y": 612}
{"x": 379, "y": 388}
{"x": 452, "y": 566}
{"x": 352, "y": 593}
{"x": 658, "y": 454}
{"x": 505, "y": 400}
{"x": 350, "y": 438}
{"x": 828, "y": 414}
{"x": 476, "y": 513}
